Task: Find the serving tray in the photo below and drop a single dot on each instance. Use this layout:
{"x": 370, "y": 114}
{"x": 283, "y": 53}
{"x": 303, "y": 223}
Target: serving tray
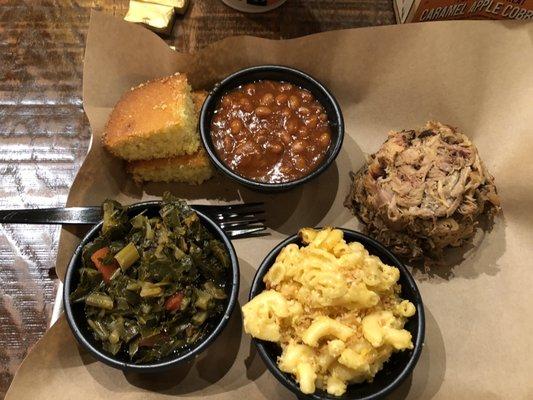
{"x": 474, "y": 75}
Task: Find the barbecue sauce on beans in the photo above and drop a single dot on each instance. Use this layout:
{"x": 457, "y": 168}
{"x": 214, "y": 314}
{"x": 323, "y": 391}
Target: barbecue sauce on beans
{"x": 271, "y": 131}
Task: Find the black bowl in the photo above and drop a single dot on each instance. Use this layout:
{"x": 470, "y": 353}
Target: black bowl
{"x": 399, "y": 366}
{"x": 76, "y": 315}
{"x": 275, "y": 73}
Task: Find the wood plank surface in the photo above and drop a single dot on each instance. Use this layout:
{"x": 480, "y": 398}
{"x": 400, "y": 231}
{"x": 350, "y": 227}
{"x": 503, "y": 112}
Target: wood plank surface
{"x": 44, "y": 133}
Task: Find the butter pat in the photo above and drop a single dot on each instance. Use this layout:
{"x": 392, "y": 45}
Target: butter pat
{"x": 156, "y": 17}
{"x": 180, "y": 6}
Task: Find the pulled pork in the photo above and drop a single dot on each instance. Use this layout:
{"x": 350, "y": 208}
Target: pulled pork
{"x": 424, "y": 190}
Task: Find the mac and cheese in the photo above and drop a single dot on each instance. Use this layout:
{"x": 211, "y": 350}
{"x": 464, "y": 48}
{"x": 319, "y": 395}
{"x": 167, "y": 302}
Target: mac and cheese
{"x": 334, "y": 309}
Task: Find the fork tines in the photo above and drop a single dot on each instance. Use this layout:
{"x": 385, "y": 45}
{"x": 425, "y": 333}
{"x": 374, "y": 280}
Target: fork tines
{"x": 236, "y": 210}
{"x": 239, "y": 220}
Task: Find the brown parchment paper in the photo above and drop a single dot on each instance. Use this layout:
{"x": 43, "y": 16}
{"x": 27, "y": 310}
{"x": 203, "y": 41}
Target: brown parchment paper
{"x": 474, "y": 75}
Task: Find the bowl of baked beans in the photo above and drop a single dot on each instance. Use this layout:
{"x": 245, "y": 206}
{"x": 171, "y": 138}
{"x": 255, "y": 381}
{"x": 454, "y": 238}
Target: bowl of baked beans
{"x": 271, "y": 127}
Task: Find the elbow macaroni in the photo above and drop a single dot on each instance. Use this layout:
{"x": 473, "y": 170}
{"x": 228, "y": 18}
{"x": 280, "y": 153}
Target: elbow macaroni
{"x": 262, "y": 317}
{"x": 333, "y": 308}
{"x": 323, "y": 328}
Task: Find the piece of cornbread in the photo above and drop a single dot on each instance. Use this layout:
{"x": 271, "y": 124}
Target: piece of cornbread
{"x": 154, "y": 120}
{"x": 194, "y": 168}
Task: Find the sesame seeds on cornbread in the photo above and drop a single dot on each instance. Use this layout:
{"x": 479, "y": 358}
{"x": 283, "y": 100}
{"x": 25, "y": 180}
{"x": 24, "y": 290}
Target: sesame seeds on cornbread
{"x": 154, "y": 120}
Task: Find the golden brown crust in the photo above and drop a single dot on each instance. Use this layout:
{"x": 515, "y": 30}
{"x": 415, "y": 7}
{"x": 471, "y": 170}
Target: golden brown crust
{"x": 198, "y": 159}
{"x": 194, "y": 168}
{"x": 198, "y": 98}
{"x": 148, "y": 108}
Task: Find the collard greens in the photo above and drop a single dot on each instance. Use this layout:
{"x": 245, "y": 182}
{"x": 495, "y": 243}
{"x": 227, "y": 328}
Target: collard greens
{"x": 152, "y": 286}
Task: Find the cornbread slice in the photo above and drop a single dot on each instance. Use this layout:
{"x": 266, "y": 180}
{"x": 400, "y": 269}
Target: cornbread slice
{"x": 198, "y": 98}
{"x": 154, "y": 120}
{"x": 194, "y": 168}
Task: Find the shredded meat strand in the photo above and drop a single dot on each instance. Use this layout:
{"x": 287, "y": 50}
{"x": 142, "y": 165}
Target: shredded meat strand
{"x": 424, "y": 190}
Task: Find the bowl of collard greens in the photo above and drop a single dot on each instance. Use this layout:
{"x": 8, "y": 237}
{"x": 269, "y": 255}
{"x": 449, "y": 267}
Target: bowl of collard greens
{"x": 151, "y": 286}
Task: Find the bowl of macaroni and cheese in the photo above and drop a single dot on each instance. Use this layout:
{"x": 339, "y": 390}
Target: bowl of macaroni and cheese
{"x": 335, "y": 315}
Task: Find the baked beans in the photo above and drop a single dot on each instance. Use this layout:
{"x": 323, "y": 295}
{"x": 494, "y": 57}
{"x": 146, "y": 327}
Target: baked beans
{"x": 271, "y": 131}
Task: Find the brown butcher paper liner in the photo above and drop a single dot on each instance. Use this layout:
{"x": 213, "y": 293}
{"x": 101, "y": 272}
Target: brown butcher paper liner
{"x": 475, "y": 75}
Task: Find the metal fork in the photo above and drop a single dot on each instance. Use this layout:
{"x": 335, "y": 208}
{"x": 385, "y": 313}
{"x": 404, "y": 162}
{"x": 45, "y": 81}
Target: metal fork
{"x": 237, "y": 220}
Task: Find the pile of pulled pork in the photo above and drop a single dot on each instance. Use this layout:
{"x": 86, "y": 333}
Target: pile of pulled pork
{"x": 424, "y": 190}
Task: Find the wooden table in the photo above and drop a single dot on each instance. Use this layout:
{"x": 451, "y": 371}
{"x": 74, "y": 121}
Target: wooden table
{"x": 44, "y": 133}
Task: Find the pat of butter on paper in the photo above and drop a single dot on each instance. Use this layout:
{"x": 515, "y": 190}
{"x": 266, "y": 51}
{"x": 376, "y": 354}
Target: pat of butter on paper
{"x": 154, "y": 15}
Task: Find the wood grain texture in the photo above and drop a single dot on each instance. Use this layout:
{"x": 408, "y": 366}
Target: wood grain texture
{"x": 44, "y": 133}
